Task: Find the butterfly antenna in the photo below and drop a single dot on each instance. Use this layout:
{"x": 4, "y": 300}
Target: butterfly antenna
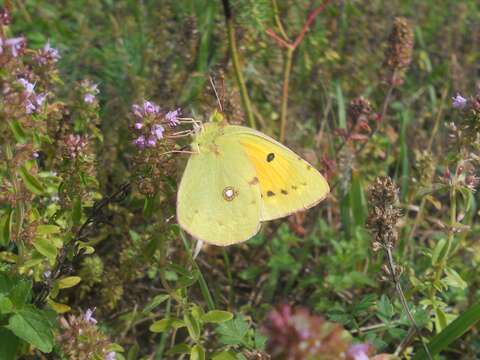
{"x": 216, "y": 94}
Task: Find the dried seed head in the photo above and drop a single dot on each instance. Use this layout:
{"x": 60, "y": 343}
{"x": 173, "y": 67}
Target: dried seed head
{"x": 383, "y": 191}
{"x": 398, "y": 55}
{"x": 358, "y": 108}
{"x": 383, "y": 215}
{"x": 376, "y": 246}
{"x": 385, "y": 269}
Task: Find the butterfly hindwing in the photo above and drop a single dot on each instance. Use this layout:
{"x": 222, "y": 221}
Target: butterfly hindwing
{"x": 287, "y": 182}
{"x": 218, "y": 200}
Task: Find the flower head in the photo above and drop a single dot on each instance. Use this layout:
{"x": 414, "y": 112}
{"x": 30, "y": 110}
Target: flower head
{"x": 29, "y": 87}
{"x": 16, "y": 45}
{"x": 172, "y": 117}
{"x": 157, "y": 131}
{"x": 359, "y": 351}
{"x": 75, "y": 145}
{"x": 459, "y": 101}
{"x": 29, "y": 107}
{"x": 5, "y": 17}
{"x": 150, "y": 108}
{"x": 298, "y": 334}
{"x": 89, "y": 98}
{"x": 88, "y": 316}
{"x": 151, "y": 142}
{"x": 47, "y": 54}
{"x": 140, "y": 142}
{"x": 90, "y": 90}
{"x": 40, "y": 99}
{"x": 110, "y": 356}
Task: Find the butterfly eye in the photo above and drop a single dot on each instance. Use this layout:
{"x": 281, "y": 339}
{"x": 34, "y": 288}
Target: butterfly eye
{"x": 270, "y": 157}
{"x": 229, "y": 193}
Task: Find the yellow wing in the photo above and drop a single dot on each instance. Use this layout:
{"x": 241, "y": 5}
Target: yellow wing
{"x": 217, "y": 200}
{"x": 287, "y": 182}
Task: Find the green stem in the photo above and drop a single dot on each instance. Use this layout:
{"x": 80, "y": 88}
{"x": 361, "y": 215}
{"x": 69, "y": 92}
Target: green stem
{"x": 229, "y": 276}
{"x": 401, "y": 295}
{"x": 201, "y": 280}
{"x": 286, "y": 80}
{"x": 278, "y": 22}
{"x": 443, "y": 263}
{"x": 232, "y": 44}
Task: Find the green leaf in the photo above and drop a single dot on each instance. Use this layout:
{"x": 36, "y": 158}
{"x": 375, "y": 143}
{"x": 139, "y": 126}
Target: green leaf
{"x": 6, "y": 305}
{"x": 217, "y": 316}
{"x": 454, "y": 279}
{"x": 440, "y": 319}
{"x": 166, "y": 324}
{"x": 31, "y": 182}
{"x": 87, "y": 249}
{"x": 260, "y": 340}
{"x": 21, "y": 292}
{"x": 5, "y": 227}
{"x": 179, "y": 349}
{"x": 17, "y": 130}
{"x": 133, "y": 352}
{"x": 68, "y": 282}
{"x": 161, "y": 325}
{"x": 225, "y": 355}
{"x": 385, "y": 309}
{"x": 47, "y": 229}
{"x": 46, "y": 248}
{"x": 452, "y": 332}
{"x": 8, "y": 345}
{"x": 32, "y": 325}
{"x": 193, "y": 326}
{"x": 197, "y": 352}
{"x": 157, "y": 300}
{"x": 6, "y": 283}
{"x": 233, "y": 332}
{"x": 342, "y": 122}
{"x": 438, "y": 251}
{"x": 76, "y": 211}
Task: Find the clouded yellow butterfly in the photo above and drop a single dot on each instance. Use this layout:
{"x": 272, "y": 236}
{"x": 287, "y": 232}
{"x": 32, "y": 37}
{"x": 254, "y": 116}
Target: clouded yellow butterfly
{"x": 237, "y": 178}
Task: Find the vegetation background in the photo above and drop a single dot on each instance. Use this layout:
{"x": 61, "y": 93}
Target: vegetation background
{"x": 93, "y": 264}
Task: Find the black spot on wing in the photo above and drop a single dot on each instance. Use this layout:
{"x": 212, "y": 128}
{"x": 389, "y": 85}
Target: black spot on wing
{"x": 270, "y": 193}
{"x": 284, "y": 192}
{"x": 270, "y": 157}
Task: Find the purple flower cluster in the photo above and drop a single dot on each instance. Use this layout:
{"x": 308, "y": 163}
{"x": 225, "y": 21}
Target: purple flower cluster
{"x": 459, "y": 102}
{"x": 90, "y": 91}
{"x": 110, "y": 356}
{"x": 88, "y": 317}
{"x": 15, "y": 45}
{"x": 151, "y": 123}
{"x": 33, "y": 101}
{"x": 47, "y": 55}
{"x": 148, "y": 109}
{"x": 75, "y": 145}
{"x": 297, "y": 334}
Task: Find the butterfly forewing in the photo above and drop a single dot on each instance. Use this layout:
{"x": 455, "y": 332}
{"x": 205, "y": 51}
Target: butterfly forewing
{"x": 287, "y": 182}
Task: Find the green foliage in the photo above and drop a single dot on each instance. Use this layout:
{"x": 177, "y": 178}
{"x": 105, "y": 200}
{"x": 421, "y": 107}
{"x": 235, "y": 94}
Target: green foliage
{"x": 22, "y": 321}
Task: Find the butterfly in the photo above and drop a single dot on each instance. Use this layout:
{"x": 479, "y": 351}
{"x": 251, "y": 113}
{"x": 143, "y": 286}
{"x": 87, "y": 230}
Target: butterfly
{"x": 237, "y": 178}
